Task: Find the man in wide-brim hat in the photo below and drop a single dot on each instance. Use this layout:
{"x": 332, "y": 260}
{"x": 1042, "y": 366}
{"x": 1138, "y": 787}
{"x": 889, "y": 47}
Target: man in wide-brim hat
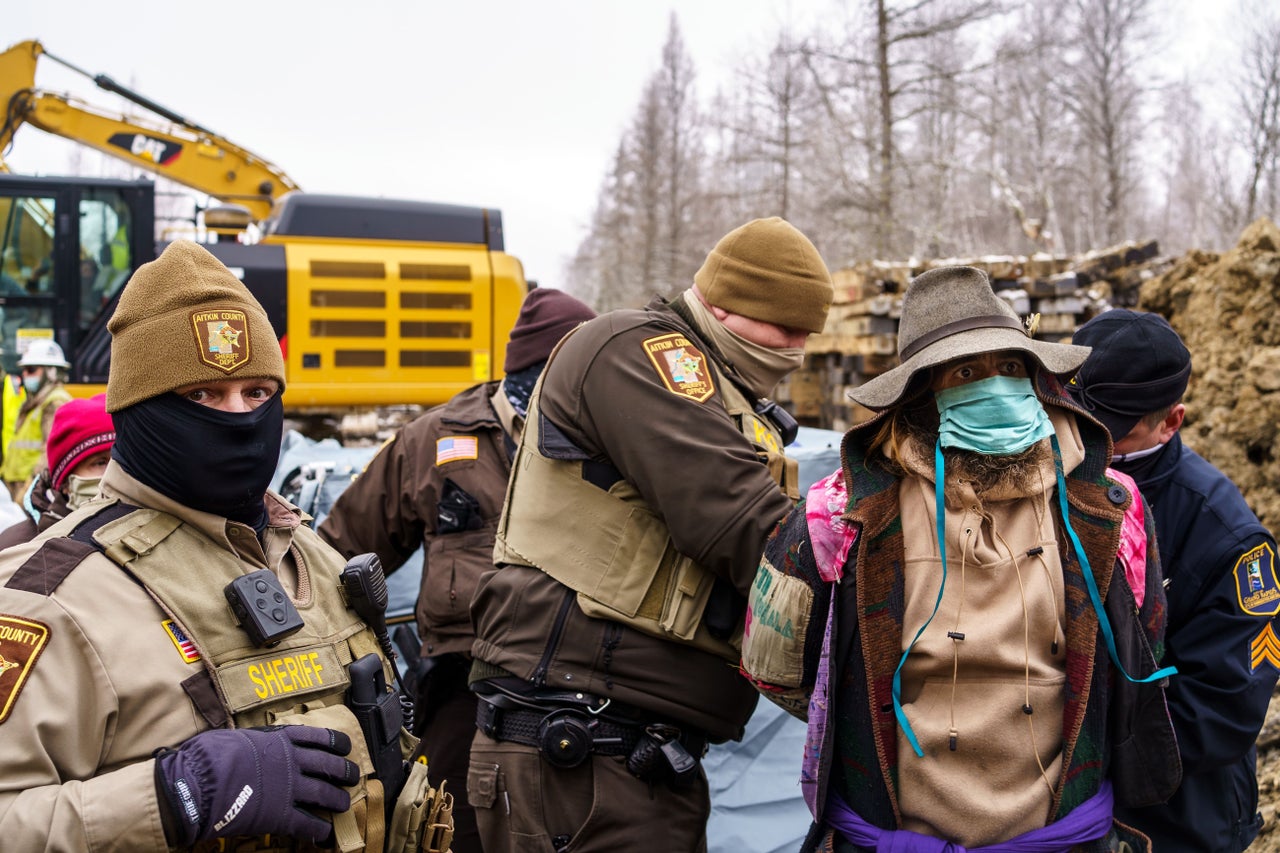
{"x": 956, "y": 609}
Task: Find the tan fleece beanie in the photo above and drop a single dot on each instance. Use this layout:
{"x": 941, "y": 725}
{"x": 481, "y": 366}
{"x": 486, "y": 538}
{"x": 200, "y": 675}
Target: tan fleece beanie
{"x": 185, "y": 318}
{"x": 768, "y": 271}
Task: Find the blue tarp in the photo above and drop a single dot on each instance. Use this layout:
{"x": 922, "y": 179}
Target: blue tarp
{"x": 755, "y": 793}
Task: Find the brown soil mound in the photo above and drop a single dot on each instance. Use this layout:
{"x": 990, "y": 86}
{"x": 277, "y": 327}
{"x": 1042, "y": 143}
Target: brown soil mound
{"x": 1227, "y": 309}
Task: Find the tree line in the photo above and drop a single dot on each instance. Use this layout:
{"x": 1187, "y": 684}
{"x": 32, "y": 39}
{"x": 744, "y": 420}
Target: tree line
{"x": 939, "y": 128}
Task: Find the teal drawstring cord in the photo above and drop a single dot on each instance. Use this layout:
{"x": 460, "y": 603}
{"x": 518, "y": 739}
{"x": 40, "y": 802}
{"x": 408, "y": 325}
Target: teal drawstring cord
{"x": 941, "y": 511}
{"x": 1103, "y": 622}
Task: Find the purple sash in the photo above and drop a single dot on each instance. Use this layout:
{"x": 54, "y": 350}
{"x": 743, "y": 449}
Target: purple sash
{"x": 1088, "y": 821}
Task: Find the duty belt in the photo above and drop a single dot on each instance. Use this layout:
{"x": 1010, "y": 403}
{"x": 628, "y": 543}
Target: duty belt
{"x": 567, "y": 733}
{"x": 521, "y": 725}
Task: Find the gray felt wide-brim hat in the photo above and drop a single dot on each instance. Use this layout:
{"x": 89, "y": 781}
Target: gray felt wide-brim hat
{"x": 950, "y": 313}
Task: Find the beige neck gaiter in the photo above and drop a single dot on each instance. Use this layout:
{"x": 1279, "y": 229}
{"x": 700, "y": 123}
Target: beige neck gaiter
{"x": 760, "y": 367}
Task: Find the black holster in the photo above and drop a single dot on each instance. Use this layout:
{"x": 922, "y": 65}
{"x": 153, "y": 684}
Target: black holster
{"x": 377, "y": 709}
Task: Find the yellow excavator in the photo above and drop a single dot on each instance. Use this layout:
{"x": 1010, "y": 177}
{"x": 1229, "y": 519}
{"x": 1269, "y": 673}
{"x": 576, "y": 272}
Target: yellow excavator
{"x": 376, "y": 302}
{"x": 180, "y": 150}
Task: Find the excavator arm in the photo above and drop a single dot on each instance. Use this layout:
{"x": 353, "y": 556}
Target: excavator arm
{"x": 180, "y": 149}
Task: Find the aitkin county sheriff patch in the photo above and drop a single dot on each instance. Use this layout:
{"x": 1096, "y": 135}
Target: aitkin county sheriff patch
{"x": 222, "y": 336}
{"x": 681, "y": 365}
{"x": 21, "y": 641}
{"x": 1256, "y": 583}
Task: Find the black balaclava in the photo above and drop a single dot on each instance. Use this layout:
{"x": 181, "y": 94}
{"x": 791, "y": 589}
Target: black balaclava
{"x": 210, "y": 460}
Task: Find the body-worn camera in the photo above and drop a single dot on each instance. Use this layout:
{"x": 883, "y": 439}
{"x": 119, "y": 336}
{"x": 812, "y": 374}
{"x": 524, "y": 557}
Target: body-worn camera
{"x": 264, "y": 610}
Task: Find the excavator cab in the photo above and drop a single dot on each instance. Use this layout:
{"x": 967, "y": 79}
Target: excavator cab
{"x": 67, "y": 247}
{"x": 374, "y": 301}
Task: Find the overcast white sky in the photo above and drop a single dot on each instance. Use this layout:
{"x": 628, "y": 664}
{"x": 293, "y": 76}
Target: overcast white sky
{"x": 510, "y": 104}
{"x": 501, "y": 103}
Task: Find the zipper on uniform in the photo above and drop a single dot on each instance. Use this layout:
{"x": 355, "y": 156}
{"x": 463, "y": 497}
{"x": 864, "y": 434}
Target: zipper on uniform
{"x": 540, "y": 674}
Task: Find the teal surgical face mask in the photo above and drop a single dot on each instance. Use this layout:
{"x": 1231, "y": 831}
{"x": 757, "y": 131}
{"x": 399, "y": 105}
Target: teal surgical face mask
{"x": 997, "y": 416}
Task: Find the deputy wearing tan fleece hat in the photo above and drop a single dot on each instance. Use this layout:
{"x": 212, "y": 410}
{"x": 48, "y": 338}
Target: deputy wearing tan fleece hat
{"x": 649, "y": 473}
{"x": 138, "y": 710}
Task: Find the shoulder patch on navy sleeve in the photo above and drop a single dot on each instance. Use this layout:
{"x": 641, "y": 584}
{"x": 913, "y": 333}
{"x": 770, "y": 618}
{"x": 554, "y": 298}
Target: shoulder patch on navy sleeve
{"x": 1256, "y": 585}
{"x": 681, "y": 365}
{"x": 46, "y": 569}
{"x": 21, "y": 641}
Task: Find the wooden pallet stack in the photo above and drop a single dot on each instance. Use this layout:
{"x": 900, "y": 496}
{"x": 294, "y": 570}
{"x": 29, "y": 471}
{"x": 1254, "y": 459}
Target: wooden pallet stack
{"x": 860, "y": 339}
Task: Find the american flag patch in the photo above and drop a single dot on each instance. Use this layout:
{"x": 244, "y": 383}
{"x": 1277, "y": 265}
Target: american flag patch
{"x": 456, "y": 447}
{"x": 181, "y": 641}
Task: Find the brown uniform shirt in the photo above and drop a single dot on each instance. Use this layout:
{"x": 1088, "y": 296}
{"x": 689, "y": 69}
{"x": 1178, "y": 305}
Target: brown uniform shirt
{"x": 395, "y": 506}
{"x": 105, "y": 689}
{"x": 694, "y": 467}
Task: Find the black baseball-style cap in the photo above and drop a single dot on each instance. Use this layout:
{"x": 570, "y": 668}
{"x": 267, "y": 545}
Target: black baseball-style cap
{"x": 1139, "y": 365}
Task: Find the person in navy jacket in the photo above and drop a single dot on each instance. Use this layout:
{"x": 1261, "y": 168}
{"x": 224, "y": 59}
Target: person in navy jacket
{"x": 1220, "y": 578}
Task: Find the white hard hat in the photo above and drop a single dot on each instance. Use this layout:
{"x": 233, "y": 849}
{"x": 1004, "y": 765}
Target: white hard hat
{"x": 43, "y": 352}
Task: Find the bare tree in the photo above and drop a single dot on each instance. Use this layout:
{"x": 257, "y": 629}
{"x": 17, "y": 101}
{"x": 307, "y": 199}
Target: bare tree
{"x": 883, "y": 83}
{"x": 644, "y": 219}
{"x": 1258, "y": 92}
{"x": 1027, "y": 145}
{"x": 1104, "y": 94}
{"x": 1187, "y": 217}
{"x": 678, "y": 114}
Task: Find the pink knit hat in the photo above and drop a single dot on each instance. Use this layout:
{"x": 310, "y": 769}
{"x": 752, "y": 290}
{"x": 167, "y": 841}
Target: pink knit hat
{"x": 80, "y": 429}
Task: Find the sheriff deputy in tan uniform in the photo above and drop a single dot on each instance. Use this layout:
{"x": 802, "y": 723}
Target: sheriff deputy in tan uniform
{"x": 439, "y": 485}
{"x": 648, "y": 476}
{"x": 137, "y": 710}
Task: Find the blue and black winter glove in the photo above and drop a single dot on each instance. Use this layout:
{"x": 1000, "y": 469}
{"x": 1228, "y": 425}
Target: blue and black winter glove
{"x": 229, "y": 782}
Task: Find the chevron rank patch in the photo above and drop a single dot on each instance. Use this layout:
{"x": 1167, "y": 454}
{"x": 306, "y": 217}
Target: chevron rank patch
{"x": 681, "y": 365}
{"x": 1265, "y": 648}
{"x": 1256, "y": 583}
{"x": 21, "y": 641}
{"x": 181, "y": 641}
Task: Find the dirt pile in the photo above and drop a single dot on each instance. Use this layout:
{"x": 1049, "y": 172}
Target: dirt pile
{"x": 1227, "y": 309}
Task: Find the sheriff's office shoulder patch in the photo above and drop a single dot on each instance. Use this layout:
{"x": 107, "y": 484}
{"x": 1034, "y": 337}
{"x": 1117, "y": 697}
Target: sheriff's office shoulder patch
{"x": 1265, "y": 648}
{"x": 21, "y": 641}
{"x": 222, "y": 338}
{"x": 181, "y": 641}
{"x": 1256, "y": 583}
{"x": 453, "y": 448}
{"x": 681, "y": 365}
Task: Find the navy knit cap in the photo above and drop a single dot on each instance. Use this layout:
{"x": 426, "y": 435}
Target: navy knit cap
{"x": 1139, "y": 365}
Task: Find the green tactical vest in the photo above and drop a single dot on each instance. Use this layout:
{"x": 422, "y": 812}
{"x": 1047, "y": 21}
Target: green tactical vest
{"x": 620, "y": 558}
{"x": 302, "y": 680}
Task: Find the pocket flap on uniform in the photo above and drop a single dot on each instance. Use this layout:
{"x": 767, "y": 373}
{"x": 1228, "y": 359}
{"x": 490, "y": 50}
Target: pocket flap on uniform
{"x": 777, "y": 624}
{"x": 482, "y": 784}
